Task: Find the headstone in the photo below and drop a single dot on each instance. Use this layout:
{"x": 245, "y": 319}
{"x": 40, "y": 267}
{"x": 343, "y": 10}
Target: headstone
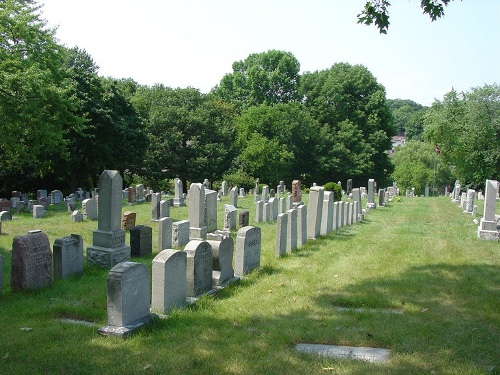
{"x": 128, "y": 220}
{"x": 155, "y": 206}
{"x": 426, "y": 191}
{"x": 68, "y": 256}
{"x": 327, "y": 213}
{"x": 336, "y": 216}
{"x": 248, "y": 247}
{"x": 222, "y": 260}
{"x": 341, "y": 214}
{"x": 76, "y": 216}
{"x": 345, "y": 217}
{"x": 230, "y": 213}
{"x": 128, "y": 298}
{"x": 179, "y": 191}
{"x": 139, "y": 193}
{"x": 31, "y": 262}
{"x": 266, "y": 213}
{"x": 296, "y": 192}
{"x": 243, "y": 218}
{"x": 20, "y": 206}
{"x": 233, "y": 196}
{"x": 211, "y": 210}
{"x": 89, "y": 208}
{"x": 291, "y": 241}
{"x": 108, "y": 245}
{"x": 5, "y": 216}
{"x": 381, "y": 197}
{"x": 141, "y": 241}
{"x": 180, "y": 233}
{"x": 169, "y": 281}
{"x": 259, "y": 208}
{"x": 5, "y": 204}
{"x": 265, "y": 193}
{"x": 14, "y": 201}
{"x": 281, "y": 235}
{"x": 356, "y": 197}
{"x": 242, "y": 193}
{"x": 164, "y": 233}
{"x": 206, "y": 184}
{"x": 349, "y": 186}
{"x": 487, "y": 229}
{"x": 42, "y": 193}
{"x": 196, "y": 212}
{"x": 282, "y": 205}
{"x": 132, "y": 198}
{"x": 224, "y": 188}
{"x": 38, "y": 211}
{"x": 301, "y": 225}
{"x": 273, "y": 203}
{"x": 371, "y": 195}
{"x": 315, "y": 211}
{"x": 469, "y": 206}
{"x": 198, "y": 268}
{"x": 272, "y": 193}
{"x": 463, "y": 200}
{"x": 164, "y": 209}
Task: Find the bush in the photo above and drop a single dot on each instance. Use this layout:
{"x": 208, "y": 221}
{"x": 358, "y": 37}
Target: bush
{"x": 337, "y": 190}
{"x": 241, "y": 179}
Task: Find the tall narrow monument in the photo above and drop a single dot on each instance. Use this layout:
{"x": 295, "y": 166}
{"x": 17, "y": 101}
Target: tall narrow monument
{"x": 108, "y": 244}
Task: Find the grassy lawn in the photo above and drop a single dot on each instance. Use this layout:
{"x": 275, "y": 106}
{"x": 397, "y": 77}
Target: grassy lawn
{"x": 412, "y": 277}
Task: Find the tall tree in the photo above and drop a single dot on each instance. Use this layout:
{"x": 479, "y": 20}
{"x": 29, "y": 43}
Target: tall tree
{"x": 262, "y": 78}
{"x": 351, "y": 96}
{"x": 34, "y": 100}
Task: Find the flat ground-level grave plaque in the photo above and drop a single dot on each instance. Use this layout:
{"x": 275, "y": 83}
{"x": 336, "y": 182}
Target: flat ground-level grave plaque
{"x": 348, "y": 352}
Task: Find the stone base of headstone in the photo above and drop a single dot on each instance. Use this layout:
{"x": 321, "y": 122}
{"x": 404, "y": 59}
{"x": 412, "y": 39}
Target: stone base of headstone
{"x": 126, "y": 331}
{"x": 371, "y": 206}
{"x": 487, "y": 230}
{"x": 179, "y": 202}
{"x": 197, "y": 233}
{"x": 104, "y": 253}
{"x": 361, "y": 217}
{"x": 225, "y": 283}
{"x": 297, "y": 204}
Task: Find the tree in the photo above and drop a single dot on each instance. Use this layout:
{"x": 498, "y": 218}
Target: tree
{"x": 34, "y": 100}
{"x": 377, "y": 11}
{"x": 416, "y": 164}
{"x": 350, "y": 101}
{"x": 279, "y": 142}
{"x": 262, "y": 78}
{"x": 190, "y": 134}
{"x": 466, "y": 128}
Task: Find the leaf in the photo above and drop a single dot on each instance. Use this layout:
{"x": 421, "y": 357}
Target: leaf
{"x": 26, "y": 329}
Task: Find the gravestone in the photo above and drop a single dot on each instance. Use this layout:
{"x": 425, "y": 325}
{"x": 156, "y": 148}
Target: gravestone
{"x": 469, "y": 206}
{"x": 164, "y": 233}
{"x": 273, "y": 203}
{"x": 68, "y": 256}
{"x": 291, "y": 241}
{"x": 282, "y": 205}
{"x": 180, "y": 233}
{"x": 243, "y": 218}
{"x": 335, "y": 216}
{"x": 281, "y": 235}
{"x": 266, "y": 214}
{"x": 265, "y": 193}
{"x": 347, "y": 212}
{"x": 169, "y": 281}
{"x": 259, "y": 214}
{"x": 164, "y": 209}
{"x": 139, "y": 193}
{"x": 14, "y": 201}
{"x": 371, "y": 195}
{"x": 155, "y": 206}
{"x": 108, "y": 242}
{"x": 230, "y": 214}
{"x": 224, "y": 188}
{"x": 76, "y": 216}
{"x": 38, "y": 211}
{"x": 349, "y": 186}
{"x": 426, "y": 191}
{"x": 89, "y": 208}
{"x": 31, "y": 262}
{"x": 42, "y": 193}
{"x": 5, "y": 204}
{"x": 242, "y": 193}
{"x": 374, "y": 355}
{"x": 20, "y": 206}
{"x": 327, "y": 213}
{"x": 43, "y": 202}
{"x": 233, "y": 196}
{"x": 381, "y": 197}
{"x": 128, "y": 220}
{"x": 128, "y": 298}
{"x": 132, "y": 195}
{"x": 301, "y": 225}
{"x": 198, "y": 268}
{"x": 211, "y": 210}
{"x": 272, "y": 193}
{"x": 196, "y": 212}
{"x": 222, "y": 260}
{"x": 487, "y": 229}
{"x": 141, "y": 241}
{"x": 341, "y": 213}
{"x": 206, "y": 184}
{"x": 179, "y": 191}
{"x": 356, "y": 197}
{"x": 5, "y": 216}
{"x": 456, "y": 192}
{"x": 315, "y": 211}
{"x": 248, "y": 247}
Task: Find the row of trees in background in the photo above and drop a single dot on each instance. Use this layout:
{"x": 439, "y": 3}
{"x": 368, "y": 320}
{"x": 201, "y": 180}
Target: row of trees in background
{"x": 63, "y": 123}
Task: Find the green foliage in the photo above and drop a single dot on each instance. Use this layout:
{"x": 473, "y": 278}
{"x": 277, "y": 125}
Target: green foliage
{"x": 408, "y": 117}
{"x": 414, "y": 167}
{"x": 337, "y": 190}
{"x": 262, "y": 78}
{"x": 241, "y": 179}
{"x": 377, "y": 11}
{"x": 466, "y": 127}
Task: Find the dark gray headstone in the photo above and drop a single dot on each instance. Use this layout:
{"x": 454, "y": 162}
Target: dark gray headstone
{"x": 243, "y": 218}
{"x": 198, "y": 268}
{"x": 141, "y": 240}
{"x": 128, "y": 299}
{"x": 68, "y": 256}
{"x": 5, "y": 216}
{"x": 169, "y": 281}
{"x": 31, "y": 262}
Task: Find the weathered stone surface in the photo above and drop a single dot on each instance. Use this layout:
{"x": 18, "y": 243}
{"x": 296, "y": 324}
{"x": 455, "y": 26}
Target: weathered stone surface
{"x": 5, "y": 216}
{"x": 259, "y": 211}
{"x": 281, "y": 235}
{"x": 180, "y": 233}
{"x": 301, "y": 225}
{"x": 327, "y": 213}
{"x": 31, "y": 262}
{"x": 164, "y": 233}
{"x": 296, "y": 191}
{"x": 198, "y": 268}
{"x": 291, "y": 240}
{"x": 68, "y": 256}
{"x": 315, "y": 211}
{"x": 141, "y": 240}
{"x": 211, "y": 210}
{"x": 487, "y": 229}
{"x": 89, "y": 208}
{"x": 222, "y": 260}
{"x": 38, "y": 211}
{"x": 179, "y": 191}
{"x": 155, "y": 206}
{"x": 347, "y": 352}
{"x": 196, "y": 211}
{"x": 248, "y": 247}
{"x": 243, "y": 218}
{"x": 128, "y": 220}
{"x": 230, "y": 213}
{"x": 371, "y": 195}
{"x": 169, "y": 281}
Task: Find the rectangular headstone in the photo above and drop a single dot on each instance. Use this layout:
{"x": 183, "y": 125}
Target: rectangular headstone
{"x": 164, "y": 233}
{"x": 296, "y": 191}
{"x": 291, "y": 241}
{"x": 327, "y": 213}
{"x": 211, "y": 210}
{"x": 233, "y": 196}
{"x": 259, "y": 211}
{"x": 347, "y": 352}
{"x": 169, "y": 281}
{"x": 222, "y": 260}
{"x": 68, "y": 256}
{"x": 301, "y": 225}
{"x": 141, "y": 240}
{"x": 371, "y": 195}
{"x": 315, "y": 211}
{"x": 281, "y": 235}
{"x": 230, "y": 213}
{"x": 89, "y": 208}
{"x": 155, "y": 206}
{"x": 198, "y": 268}
{"x": 196, "y": 211}
{"x": 128, "y": 299}
{"x": 487, "y": 229}
{"x": 31, "y": 262}
{"x": 180, "y": 233}
{"x": 248, "y": 247}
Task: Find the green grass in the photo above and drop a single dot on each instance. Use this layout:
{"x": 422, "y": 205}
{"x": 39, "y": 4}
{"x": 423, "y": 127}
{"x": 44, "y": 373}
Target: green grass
{"x": 419, "y": 257}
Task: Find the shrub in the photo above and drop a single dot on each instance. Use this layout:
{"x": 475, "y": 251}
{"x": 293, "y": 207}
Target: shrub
{"x": 241, "y": 179}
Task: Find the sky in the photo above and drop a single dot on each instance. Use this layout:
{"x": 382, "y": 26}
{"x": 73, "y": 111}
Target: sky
{"x": 195, "y": 42}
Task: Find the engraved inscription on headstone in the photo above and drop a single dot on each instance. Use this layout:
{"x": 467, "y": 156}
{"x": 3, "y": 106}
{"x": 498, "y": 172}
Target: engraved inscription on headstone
{"x": 68, "y": 256}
